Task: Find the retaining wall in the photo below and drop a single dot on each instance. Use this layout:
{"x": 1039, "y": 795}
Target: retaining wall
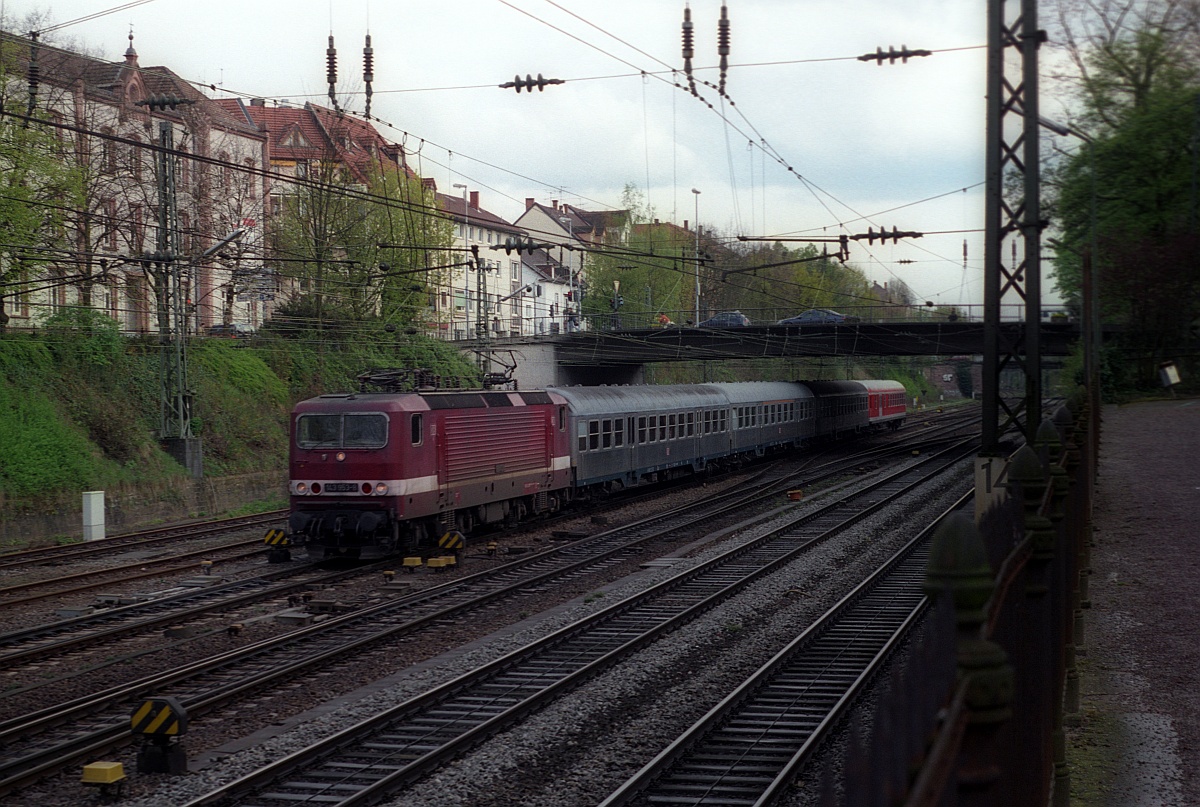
{"x": 131, "y": 507}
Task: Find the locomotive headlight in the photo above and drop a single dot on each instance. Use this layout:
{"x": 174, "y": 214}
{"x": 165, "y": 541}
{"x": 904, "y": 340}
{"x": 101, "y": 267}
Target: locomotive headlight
{"x": 301, "y": 488}
{"x": 381, "y": 488}
{"x": 340, "y": 456}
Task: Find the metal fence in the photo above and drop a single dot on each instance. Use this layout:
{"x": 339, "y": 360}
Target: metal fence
{"x": 975, "y": 714}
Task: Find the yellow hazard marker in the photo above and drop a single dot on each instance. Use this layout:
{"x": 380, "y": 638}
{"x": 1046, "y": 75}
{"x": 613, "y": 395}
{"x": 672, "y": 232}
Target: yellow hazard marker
{"x": 275, "y": 538}
{"x": 159, "y": 717}
{"x": 389, "y": 576}
{"x": 206, "y": 566}
{"x": 161, "y": 722}
{"x": 453, "y": 541}
{"x": 491, "y": 548}
{"x": 437, "y": 564}
{"x": 412, "y": 564}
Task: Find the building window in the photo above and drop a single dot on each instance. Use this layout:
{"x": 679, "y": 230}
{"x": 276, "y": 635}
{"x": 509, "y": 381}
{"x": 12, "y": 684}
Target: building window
{"x": 251, "y": 179}
{"x": 138, "y": 235}
{"x": 110, "y": 223}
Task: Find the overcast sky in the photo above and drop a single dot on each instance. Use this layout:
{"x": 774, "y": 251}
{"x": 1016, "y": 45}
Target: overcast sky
{"x": 866, "y": 138}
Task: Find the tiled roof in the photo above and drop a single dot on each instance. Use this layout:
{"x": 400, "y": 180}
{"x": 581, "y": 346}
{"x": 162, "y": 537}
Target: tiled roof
{"x": 312, "y": 132}
{"x": 456, "y": 207}
{"x": 105, "y": 81}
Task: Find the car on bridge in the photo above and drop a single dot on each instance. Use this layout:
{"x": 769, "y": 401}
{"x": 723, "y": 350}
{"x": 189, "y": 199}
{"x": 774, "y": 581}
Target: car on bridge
{"x": 818, "y": 316}
{"x": 727, "y": 319}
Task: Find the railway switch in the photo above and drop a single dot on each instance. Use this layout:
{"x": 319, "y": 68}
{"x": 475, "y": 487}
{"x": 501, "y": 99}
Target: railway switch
{"x": 389, "y": 576}
{"x": 161, "y": 722}
{"x": 108, "y": 776}
{"x": 412, "y": 564}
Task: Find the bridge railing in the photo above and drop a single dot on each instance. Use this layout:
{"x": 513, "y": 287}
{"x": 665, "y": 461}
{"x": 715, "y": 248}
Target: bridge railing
{"x": 975, "y": 714}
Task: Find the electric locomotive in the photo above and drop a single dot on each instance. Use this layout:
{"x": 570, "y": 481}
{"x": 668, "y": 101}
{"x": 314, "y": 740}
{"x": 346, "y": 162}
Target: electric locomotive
{"x": 377, "y": 473}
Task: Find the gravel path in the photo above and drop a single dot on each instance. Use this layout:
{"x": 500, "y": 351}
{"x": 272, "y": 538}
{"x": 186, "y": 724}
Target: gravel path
{"x": 1139, "y": 738}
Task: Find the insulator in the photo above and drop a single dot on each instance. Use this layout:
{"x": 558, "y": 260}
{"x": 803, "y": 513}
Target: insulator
{"x": 723, "y": 32}
{"x": 331, "y": 63}
{"x": 368, "y": 61}
{"x": 687, "y": 33}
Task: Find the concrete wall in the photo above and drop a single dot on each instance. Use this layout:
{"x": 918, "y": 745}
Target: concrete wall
{"x": 537, "y": 369}
{"x": 132, "y": 507}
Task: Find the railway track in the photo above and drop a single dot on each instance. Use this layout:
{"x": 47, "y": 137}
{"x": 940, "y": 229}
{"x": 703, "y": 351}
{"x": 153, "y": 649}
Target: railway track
{"x": 48, "y": 740}
{"x": 184, "y": 604}
{"x": 750, "y": 748}
{"x": 145, "y": 569}
{"x": 57, "y": 555}
{"x": 389, "y": 752}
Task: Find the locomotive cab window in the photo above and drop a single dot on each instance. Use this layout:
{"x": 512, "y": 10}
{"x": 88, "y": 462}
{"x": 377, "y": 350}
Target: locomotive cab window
{"x": 418, "y": 435}
{"x": 364, "y": 430}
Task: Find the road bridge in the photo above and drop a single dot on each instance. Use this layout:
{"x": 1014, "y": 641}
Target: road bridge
{"x": 617, "y": 355}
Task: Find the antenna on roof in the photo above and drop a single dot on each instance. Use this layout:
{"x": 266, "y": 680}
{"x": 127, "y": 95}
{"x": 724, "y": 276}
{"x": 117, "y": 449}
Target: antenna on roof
{"x": 368, "y": 71}
{"x": 331, "y": 72}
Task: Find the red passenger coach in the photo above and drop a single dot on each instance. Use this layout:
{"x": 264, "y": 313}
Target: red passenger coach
{"x": 375, "y": 473}
{"x": 887, "y": 404}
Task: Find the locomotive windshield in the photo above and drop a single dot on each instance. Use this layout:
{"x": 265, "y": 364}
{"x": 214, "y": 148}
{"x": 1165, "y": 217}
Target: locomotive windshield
{"x": 341, "y": 431}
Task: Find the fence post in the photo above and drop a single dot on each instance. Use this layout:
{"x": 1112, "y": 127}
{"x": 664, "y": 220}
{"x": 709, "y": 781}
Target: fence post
{"x": 958, "y": 566}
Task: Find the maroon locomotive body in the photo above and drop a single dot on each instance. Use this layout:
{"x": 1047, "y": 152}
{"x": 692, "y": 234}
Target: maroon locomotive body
{"x": 376, "y": 473}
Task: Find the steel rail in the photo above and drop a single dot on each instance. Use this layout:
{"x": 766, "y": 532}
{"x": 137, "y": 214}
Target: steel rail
{"x": 373, "y": 760}
{"x": 336, "y": 639}
{"x": 748, "y": 749}
{"x": 174, "y": 533}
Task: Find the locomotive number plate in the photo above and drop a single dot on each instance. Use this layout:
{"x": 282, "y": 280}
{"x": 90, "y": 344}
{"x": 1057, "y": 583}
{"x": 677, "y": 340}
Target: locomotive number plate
{"x": 341, "y": 487}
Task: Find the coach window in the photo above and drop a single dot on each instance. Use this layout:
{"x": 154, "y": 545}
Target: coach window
{"x": 691, "y": 416}
{"x": 670, "y": 427}
{"x": 641, "y": 433}
{"x": 619, "y": 432}
{"x": 581, "y": 429}
{"x": 594, "y": 434}
{"x": 418, "y": 433}
{"x": 606, "y": 433}
{"x": 662, "y": 427}
{"x": 653, "y": 435}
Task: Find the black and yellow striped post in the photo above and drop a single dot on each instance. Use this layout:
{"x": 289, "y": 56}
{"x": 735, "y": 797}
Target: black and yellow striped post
{"x": 278, "y": 541}
{"x": 161, "y": 722}
{"x": 453, "y": 541}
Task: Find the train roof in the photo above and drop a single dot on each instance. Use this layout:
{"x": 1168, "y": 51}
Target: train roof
{"x": 421, "y": 401}
{"x": 758, "y": 391}
{"x": 639, "y": 398}
{"x": 883, "y": 386}
{"x": 828, "y": 388}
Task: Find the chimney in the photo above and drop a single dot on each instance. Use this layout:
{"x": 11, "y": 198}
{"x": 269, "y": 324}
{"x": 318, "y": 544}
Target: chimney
{"x": 258, "y": 102}
{"x": 529, "y": 202}
{"x": 554, "y": 203}
{"x": 475, "y": 199}
{"x": 429, "y": 184}
{"x": 685, "y": 225}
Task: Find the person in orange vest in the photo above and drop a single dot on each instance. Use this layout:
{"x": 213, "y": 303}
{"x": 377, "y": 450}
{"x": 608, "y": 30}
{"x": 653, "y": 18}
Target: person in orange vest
{"x": 663, "y": 320}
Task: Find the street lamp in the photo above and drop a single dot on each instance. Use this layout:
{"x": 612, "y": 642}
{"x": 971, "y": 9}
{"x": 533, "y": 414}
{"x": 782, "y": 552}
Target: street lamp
{"x": 696, "y": 225}
{"x": 565, "y": 221}
{"x": 466, "y": 275}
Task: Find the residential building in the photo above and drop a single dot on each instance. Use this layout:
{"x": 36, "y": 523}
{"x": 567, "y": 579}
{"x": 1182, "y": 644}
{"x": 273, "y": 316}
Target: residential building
{"x": 499, "y": 279}
{"x": 113, "y": 137}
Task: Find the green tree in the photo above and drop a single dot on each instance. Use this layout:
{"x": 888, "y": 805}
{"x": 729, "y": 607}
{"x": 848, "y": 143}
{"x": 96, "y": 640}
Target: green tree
{"x": 1125, "y": 196}
{"x": 329, "y": 237}
{"x": 38, "y": 188}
